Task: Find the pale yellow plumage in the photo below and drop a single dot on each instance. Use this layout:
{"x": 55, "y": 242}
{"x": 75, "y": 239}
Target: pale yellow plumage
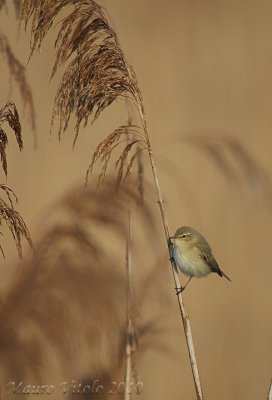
{"x": 192, "y": 254}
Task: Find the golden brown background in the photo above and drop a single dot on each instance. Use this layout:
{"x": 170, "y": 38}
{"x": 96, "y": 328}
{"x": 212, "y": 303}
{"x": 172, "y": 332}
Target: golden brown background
{"x": 205, "y": 71}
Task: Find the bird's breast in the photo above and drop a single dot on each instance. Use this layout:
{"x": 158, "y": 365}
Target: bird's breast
{"x": 190, "y": 262}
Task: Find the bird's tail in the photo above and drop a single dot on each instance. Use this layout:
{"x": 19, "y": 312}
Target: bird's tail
{"x": 223, "y": 274}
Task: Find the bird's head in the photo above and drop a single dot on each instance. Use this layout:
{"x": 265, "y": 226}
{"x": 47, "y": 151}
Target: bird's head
{"x": 185, "y": 237}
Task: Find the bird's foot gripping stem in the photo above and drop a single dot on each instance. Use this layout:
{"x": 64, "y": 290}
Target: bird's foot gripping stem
{"x": 179, "y": 290}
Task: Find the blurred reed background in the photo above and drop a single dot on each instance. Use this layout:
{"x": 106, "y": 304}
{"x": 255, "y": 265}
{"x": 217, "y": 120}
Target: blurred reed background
{"x": 204, "y": 70}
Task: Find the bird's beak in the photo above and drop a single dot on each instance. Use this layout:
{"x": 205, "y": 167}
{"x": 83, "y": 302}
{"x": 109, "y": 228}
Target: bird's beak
{"x": 171, "y": 238}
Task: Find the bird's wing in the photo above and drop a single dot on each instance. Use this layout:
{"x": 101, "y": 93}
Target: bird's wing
{"x": 207, "y": 255}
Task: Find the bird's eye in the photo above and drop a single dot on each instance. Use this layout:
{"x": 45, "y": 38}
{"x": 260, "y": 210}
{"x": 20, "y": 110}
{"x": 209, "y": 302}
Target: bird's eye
{"x": 184, "y": 236}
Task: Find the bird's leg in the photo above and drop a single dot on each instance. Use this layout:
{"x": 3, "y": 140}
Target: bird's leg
{"x": 182, "y": 288}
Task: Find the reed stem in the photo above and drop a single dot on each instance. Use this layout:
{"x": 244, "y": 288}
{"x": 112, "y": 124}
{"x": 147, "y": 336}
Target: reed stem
{"x": 184, "y": 315}
{"x": 130, "y": 328}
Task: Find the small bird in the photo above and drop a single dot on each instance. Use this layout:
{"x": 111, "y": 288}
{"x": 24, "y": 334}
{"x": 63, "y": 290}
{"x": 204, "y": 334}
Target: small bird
{"x": 193, "y": 254}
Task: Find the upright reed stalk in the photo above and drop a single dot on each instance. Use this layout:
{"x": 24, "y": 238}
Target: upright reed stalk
{"x": 130, "y": 328}
{"x": 270, "y": 392}
{"x": 184, "y": 315}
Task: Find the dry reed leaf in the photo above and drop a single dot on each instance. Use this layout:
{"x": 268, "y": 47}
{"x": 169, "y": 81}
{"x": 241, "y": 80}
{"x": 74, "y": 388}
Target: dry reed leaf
{"x": 17, "y": 72}
{"x": 69, "y": 302}
{"x": 10, "y": 115}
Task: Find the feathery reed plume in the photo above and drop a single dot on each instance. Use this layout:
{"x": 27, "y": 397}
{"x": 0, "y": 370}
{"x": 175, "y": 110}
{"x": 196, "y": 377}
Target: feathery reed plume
{"x": 104, "y": 151}
{"x": 2, "y": 3}
{"x": 17, "y": 6}
{"x": 96, "y": 76}
{"x": 13, "y": 220}
{"x": 226, "y": 149}
{"x": 10, "y": 115}
{"x": 97, "y": 73}
{"x": 69, "y": 301}
{"x": 17, "y": 72}
{"x": 214, "y": 150}
{"x": 257, "y": 178}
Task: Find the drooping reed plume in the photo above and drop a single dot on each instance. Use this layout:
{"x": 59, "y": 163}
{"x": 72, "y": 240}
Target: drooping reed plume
{"x": 96, "y": 74}
{"x": 18, "y": 75}
{"x": 235, "y": 162}
{"x": 2, "y": 3}
{"x": 8, "y": 215}
{"x": 16, "y": 4}
{"x": 65, "y": 316}
{"x": 96, "y": 71}
{"x": 10, "y": 115}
